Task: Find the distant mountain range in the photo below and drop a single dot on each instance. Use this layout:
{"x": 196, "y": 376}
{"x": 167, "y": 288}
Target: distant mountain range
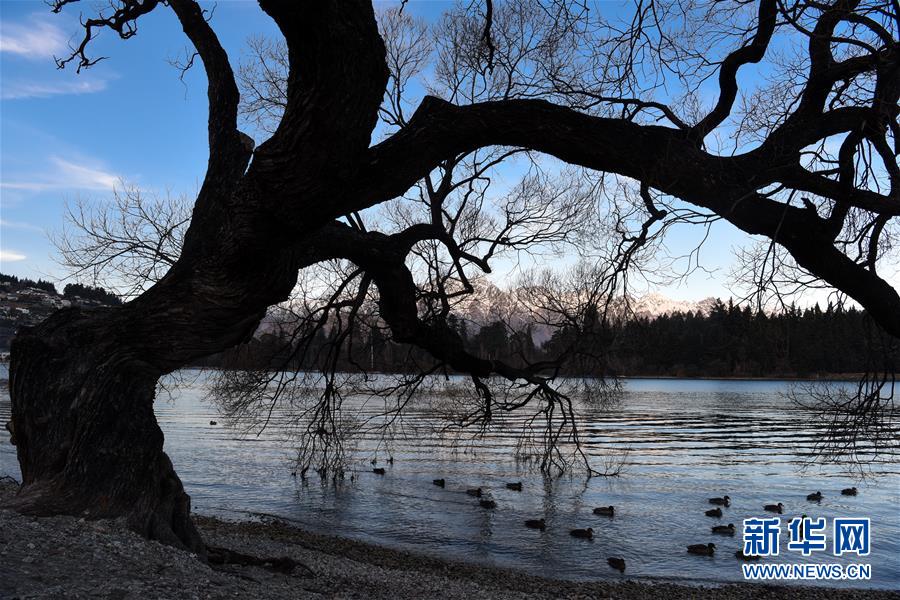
{"x": 656, "y": 304}
{"x": 491, "y": 304}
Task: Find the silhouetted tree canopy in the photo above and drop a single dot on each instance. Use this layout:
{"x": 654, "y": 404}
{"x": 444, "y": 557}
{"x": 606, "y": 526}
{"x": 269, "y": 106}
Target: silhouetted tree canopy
{"x": 371, "y": 202}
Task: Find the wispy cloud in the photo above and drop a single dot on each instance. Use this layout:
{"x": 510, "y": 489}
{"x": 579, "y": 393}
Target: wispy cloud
{"x": 7, "y": 224}
{"x": 19, "y": 90}
{"x": 9, "y": 256}
{"x": 67, "y": 175}
{"x": 34, "y": 39}
{"x": 85, "y": 177}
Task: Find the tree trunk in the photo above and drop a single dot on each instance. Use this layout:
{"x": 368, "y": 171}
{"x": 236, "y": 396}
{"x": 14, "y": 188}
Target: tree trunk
{"x": 87, "y": 439}
{"x": 83, "y": 381}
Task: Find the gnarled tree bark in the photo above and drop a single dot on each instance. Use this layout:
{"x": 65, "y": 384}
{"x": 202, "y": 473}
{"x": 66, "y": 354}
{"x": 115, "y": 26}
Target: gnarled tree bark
{"x": 83, "y": 382}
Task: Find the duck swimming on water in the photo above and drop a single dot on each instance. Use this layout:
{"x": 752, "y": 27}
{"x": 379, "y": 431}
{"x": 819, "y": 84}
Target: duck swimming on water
{"x": 378, "y": 471}
{"x": 607, "y": 511}
{"x": 702, "y": 549}
{"x": 474, "y": 492}
{"x": 723, "y": 501}
{"x": 849, "y": 491}
{"x": 724, "y": 529}
{"x": 777, "y": 508}
{"x": 802, "y": 526}
{"x": 487, "y": 504}
{"x": 714, "y": 512}
{"x": 536, "y": 524}
{"x": 586, "y": 534}
{"x": 439, "y": 482}
{"x": 814, "y": 497}
{"x": 616, "y": 563}
{"x": 516, "y": 487}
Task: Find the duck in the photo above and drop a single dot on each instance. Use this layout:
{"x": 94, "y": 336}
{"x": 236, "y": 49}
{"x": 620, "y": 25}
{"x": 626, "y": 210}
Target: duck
{"x": 723, "y": 501}
{"x": 439, "y": 482}
{"x": 740, "y": 554}
{"x": 378, "y": 471}
{"x": 817, "y": 497}
{"x": 777, "y": 508}
{"x": 724, "y": 529}
{"x": 616, "y": 563}
{"x": 536, "y": 524}
{"x": 607, "y": 511}
{"x": 587, "y": 534}
{"x": 474, "y": 492}
{"x": 849, "y": 491}
{"x": 714, "y": 512}
{"x": 702, "y": 549}
{"x": 802, "y": 528}
{"x": 516, "y": 487}
{"x": 213, "y": 422}
{"x": 487, "y": 504}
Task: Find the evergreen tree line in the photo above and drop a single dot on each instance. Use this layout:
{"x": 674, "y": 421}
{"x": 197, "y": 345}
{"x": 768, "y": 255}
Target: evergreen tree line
{"x": 732, "y": 341}
{"x": 90, "y": 292}
{"x": 728, "y": 341}
{"x": 17, "y": 283}
{"x": 72, "y": 290}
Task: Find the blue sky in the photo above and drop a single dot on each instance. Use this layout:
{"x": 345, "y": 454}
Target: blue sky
{"x": 65, "y": 136}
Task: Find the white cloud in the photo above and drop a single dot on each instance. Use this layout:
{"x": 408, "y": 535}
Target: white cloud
{"x": 18, "y": 90}
{"x": 8, "y": 256}
{"x": 5, "y": 224}
{"x": 35, "y": 39}
{"x": 85, "y": 177}
{"x": 67, "y": 175}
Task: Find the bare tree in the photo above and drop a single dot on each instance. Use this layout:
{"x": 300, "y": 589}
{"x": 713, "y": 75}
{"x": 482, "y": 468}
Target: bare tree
{"x": 613, "y": 95}
{"x": 126, "y": 245}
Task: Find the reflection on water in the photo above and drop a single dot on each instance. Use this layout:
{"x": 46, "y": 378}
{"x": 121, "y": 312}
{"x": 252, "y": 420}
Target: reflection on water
{"x": 688, "y": 440}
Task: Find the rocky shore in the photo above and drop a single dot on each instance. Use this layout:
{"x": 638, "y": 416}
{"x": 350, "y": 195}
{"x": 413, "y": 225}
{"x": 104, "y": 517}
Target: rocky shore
{"x": 66, "y": 557}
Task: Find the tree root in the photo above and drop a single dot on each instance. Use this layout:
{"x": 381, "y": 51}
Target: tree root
{"x": 288, "y": 566}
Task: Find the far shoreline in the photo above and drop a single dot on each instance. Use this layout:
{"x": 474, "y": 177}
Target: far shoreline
{"x": 828, "y": 377}
{"x": 819, "y": 377}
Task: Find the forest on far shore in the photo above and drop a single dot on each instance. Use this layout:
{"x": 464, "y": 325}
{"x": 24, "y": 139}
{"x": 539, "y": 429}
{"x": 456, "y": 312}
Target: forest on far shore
{"x": 728, "y": 341}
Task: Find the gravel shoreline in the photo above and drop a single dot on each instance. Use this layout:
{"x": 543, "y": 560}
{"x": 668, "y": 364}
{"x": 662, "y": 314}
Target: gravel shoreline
{"x": 66, "y": 557}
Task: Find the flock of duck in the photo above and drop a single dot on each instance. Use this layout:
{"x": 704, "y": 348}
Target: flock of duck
{"x": 618, "y": 562}
{"x": 710, "y": 548}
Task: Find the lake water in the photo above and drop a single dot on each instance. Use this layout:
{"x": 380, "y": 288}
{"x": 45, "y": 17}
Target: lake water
{"x": 687, "y": 440}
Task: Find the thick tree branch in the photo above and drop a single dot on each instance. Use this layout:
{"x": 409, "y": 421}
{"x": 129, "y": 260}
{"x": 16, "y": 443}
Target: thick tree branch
{"x": 660, "y": 157}
{"x": 229, "y": 149}
{"x": 335, "y": 84}
{"x": 749, "y": 54}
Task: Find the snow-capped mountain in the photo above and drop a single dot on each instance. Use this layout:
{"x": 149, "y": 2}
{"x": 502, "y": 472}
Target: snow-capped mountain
{"x": 491, "y": 304}
{"x": 656, "y": 304}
